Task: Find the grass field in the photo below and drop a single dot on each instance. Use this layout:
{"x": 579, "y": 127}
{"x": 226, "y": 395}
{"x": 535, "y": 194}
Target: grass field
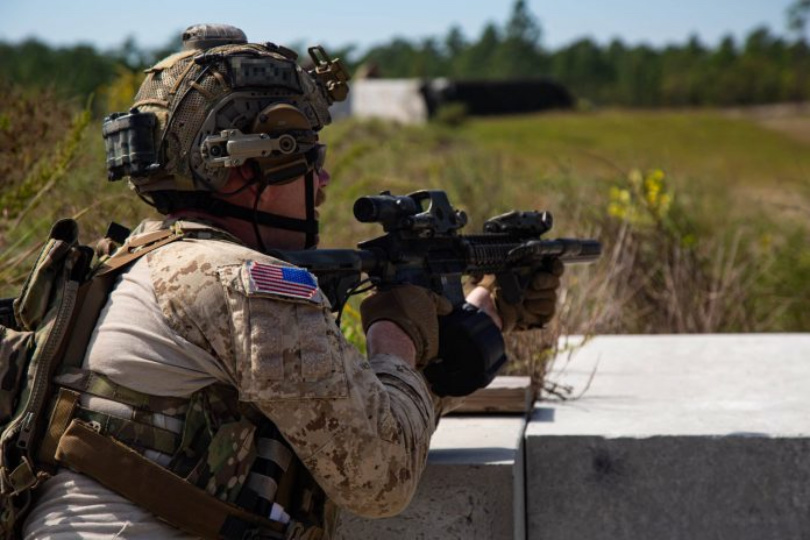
{"x": 759, "y": 168}
{"x": 705, "y": 217}
{"x": 730, "y": 248}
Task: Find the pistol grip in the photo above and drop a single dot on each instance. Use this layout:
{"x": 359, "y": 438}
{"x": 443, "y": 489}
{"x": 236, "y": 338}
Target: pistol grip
{"x": 511, "y": 287}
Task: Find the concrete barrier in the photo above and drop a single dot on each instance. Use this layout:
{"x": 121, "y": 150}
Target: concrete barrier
{"x": 677, "y": 437}
{"x": 683, "y": 437}
{"x": 472, "y": 488}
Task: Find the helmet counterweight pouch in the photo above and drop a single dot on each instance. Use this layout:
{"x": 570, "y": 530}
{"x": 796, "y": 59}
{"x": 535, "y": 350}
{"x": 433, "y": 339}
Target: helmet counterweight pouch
{"x": 130, "y": 144}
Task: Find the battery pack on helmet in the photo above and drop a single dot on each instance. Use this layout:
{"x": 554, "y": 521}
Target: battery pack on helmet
{"x": 130, "y": 145}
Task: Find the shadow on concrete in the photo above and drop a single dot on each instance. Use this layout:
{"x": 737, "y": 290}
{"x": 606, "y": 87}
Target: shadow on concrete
{"x": 465, "y": 456}
{"x": 543, "y": 414}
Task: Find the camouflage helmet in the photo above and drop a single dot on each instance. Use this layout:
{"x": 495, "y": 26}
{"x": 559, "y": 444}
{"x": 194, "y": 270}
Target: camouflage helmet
{"x": 218, "y": 103}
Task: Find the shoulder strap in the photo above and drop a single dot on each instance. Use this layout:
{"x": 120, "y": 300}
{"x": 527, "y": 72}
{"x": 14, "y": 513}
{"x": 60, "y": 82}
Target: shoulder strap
{"x": 137, "y": 247}
{"x": 93, "y": 293}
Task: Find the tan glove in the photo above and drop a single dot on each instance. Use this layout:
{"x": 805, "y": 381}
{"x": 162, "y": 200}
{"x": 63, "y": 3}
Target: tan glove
{"x": 415, "y": 310}
{"x": 539, "y": 301}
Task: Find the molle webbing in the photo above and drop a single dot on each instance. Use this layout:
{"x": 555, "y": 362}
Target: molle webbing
{"x": 137, "y": 431}
{"x": 140, "y": 435}
{"x": 59, "y": 304}
{"x": 96, "y": 384}
{"x": 266, "y": 490}
{"x": 154, "y": 488}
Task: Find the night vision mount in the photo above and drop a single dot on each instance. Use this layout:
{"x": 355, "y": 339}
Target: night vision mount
{"x": 231, "y": 148}
{"x": 331, "y": 73}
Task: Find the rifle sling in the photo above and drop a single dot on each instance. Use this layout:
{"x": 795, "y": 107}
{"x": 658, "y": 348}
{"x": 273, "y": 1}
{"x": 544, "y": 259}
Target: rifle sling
{"x": 152, "y": 487}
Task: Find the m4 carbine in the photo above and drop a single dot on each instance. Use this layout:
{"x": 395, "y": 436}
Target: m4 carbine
{"x": 422, "y": 246}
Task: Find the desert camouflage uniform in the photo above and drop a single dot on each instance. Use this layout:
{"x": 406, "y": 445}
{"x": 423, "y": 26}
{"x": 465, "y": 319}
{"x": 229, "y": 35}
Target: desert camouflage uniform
{"x": 360, "y": 426}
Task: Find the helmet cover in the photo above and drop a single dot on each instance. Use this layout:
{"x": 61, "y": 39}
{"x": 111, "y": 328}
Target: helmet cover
{"x": 222, "y": 101}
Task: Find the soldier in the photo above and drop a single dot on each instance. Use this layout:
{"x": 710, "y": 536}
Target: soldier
{"x": 217, "y": 397}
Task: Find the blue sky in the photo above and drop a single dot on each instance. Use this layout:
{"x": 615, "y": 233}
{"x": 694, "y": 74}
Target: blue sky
{"x": 105, "y": 23}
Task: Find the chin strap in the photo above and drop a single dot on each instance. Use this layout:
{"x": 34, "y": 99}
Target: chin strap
{"x": 200, "y": 200}
{"x": 308, "y": 226}
{"x": 311, "y": 232}
{"x": 256, "y": 232}
{"x": 171, "y": 202}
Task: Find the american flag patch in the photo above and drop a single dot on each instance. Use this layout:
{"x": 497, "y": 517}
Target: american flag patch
{"x": 283, "y": 281}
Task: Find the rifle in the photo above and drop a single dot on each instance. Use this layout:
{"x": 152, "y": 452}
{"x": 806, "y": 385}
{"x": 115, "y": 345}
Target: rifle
{"x": 422, "y": 246}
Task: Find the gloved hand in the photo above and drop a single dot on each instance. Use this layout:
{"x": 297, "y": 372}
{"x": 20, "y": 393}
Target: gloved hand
{"x": 539, "y": 302}
{"x": 471, "y": 351}
{"x": 415, "y": 310}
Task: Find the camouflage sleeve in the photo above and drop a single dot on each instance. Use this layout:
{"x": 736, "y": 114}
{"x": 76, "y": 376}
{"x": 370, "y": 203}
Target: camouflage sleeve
{"x": 362, "y": 427}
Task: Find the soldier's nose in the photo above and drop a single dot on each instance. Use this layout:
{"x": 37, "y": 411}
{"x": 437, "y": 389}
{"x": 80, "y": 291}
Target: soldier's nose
{"x": 323, "y": 178}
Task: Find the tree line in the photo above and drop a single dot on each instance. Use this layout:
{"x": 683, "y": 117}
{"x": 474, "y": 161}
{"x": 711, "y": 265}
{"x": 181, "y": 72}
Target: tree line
{"x": 762, "y": 68}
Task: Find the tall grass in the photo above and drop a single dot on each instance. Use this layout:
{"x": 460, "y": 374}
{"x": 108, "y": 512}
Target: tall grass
{"x": 31, "y": 124}
{"x": 699, "y": 249}
{"x": 686, "y": 206}
{"x": 55, "y": 169}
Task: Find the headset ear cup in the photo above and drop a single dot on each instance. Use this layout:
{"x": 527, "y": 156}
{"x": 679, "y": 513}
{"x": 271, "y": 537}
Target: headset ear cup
{"x": 280, "y": 118}
{"x": 283, "y": 120}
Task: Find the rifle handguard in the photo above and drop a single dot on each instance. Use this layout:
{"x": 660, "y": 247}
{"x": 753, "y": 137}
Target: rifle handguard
{"x": 471, "y": 351}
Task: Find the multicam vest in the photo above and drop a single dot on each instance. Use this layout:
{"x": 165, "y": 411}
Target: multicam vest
{"x": 228, "y": 463}
{"x": 227, "y": 472}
